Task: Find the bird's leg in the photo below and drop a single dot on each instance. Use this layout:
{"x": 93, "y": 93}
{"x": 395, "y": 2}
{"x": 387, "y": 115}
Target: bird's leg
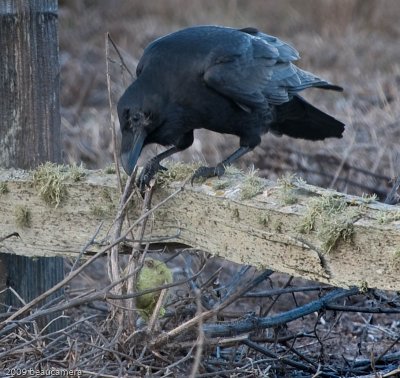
{"x": 152, "y": 167}
{"x": 219, "y": 170}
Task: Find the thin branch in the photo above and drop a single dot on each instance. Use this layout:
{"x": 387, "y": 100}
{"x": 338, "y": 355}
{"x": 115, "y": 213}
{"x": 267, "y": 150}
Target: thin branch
{"x": 184, "y": 327}
{"x": 251, "y": 323}
{"x": 86, "y": 246}
{"x": 156, "y": 312}
{"x": 120, "y": 56}
{"x": 100, "y": 295}
{"x": 288, "y": 290}
{"x": 200, "y": 339}
{"x": 287, "y": 361}
{"x": 380, "y": 357}
{"x": 16, "y": 234}
{"x": 367, "y": 310}
{"x": 112, "y": 119}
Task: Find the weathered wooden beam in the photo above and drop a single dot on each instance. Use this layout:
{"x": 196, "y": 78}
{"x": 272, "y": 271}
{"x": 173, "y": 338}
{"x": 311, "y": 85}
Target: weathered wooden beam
{"x": 30, "y": 125}
{"x": 287, "y": 226}
{"x": 48, "y": 228}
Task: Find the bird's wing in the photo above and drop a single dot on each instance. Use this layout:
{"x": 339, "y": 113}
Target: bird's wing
{"x": 258, "y": 69}
{"x": 242, "y": 72}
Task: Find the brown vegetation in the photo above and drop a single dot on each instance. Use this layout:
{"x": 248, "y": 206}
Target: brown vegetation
{"x": 352, "y": 43}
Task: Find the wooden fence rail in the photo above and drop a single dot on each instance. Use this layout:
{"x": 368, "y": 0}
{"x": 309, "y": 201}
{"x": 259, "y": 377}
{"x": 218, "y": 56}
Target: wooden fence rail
{"x": 289, "y": 226}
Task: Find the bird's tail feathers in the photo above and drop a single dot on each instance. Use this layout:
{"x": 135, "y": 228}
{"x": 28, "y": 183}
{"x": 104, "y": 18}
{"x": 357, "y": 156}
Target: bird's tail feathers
{"x": 299, "y": 119}
{"x": 332, "y": 87}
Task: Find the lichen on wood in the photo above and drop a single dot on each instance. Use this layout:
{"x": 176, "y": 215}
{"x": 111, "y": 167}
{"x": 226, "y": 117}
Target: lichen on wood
{"x": 262, "y": 231}
{"x": 48, "y": 179}
{"x": 332, "y": 218}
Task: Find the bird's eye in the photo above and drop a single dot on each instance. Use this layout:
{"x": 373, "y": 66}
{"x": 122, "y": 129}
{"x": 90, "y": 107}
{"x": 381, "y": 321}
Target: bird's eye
{"x": 136, "y": 117}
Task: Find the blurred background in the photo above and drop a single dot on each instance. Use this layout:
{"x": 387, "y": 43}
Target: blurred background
{"x": 352, "y": 43}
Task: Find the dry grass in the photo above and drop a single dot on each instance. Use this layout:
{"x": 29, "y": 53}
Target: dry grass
{"x": 350, "y": 42}
{"x": 353, "y": 43}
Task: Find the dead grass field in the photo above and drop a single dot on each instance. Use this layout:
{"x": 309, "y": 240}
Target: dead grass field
{"x": 353, "y": 43}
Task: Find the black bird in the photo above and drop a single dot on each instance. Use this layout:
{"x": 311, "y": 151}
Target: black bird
{"x": 240, "y": 82}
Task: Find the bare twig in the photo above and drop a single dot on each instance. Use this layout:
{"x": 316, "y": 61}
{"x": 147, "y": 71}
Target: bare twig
{"x": 287, "y": 290}
{"x": 380, "y": 357}
{"x": 251, "y": 323}
{"x": 164, "y": 338}
{"x": 120, "y": 56}
{"x": 114, "y": 272}
{"x": 135, "y": 264}
{"x": 267, "y": 311}
{"x": 86, "y": 246}
{"x": 268, "y": 353}
{"x": 16, "y": 234}
{"x": 200, "y": 339}
{"x": 156, "y": 311}
{"x": 98, "y": 295}
{"x": 112, "y": 119}
{"x": 367, "y": 310}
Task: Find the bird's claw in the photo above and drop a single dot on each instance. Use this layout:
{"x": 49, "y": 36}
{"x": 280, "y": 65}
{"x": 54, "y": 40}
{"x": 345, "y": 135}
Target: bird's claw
{"x": 148, "y": 172}
{"x": 206, "y": 172}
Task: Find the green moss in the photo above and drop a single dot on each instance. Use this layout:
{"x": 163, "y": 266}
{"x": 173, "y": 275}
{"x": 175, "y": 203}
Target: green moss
{"x": 332, "y": 219}
{"x": 368, "y": 198}
{"x": 321, "y": 206}
{"x": 221, "y": 184}
{"x": 110, "y": 169}
{"x": 287, "y": 181}
{"x": 176, "y": 171}
{"x": 153, "y": 274}
{"x": 231, "y": 170}
{"x": 76, "y": 172}
{"x": 251, "y": 186}
{"x": 22, "y": 216}
{"x": 389, "y": 216}
{"x": 340, "y": 229}
{"x": 287, "y": 189}
{"x": 48, "y": 179}
{"x": 3, "y": 188}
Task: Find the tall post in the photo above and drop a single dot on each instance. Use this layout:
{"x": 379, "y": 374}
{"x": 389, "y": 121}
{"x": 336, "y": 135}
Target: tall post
{"x": 29, "y": 121}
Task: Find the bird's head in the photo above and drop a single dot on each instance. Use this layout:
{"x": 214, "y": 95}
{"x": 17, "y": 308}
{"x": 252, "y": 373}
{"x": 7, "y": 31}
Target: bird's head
{"x": 134, "y": 125}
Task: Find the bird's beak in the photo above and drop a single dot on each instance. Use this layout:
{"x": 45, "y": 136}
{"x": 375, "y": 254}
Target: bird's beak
{"x": 131, "y": 147}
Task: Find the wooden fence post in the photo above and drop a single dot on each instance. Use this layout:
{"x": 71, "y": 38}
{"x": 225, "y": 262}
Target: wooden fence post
{"x": 29, "y": 123}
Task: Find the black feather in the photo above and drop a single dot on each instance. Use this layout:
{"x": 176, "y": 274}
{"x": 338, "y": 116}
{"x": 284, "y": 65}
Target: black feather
{"x": 299, "y": 119}
{"x": 240, "y": 82}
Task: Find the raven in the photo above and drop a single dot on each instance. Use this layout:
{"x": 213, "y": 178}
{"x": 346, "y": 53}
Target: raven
{"x": 234, "y": 81}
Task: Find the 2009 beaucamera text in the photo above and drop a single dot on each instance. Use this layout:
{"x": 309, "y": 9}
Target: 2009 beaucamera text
{"x": 51, "y": 372}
